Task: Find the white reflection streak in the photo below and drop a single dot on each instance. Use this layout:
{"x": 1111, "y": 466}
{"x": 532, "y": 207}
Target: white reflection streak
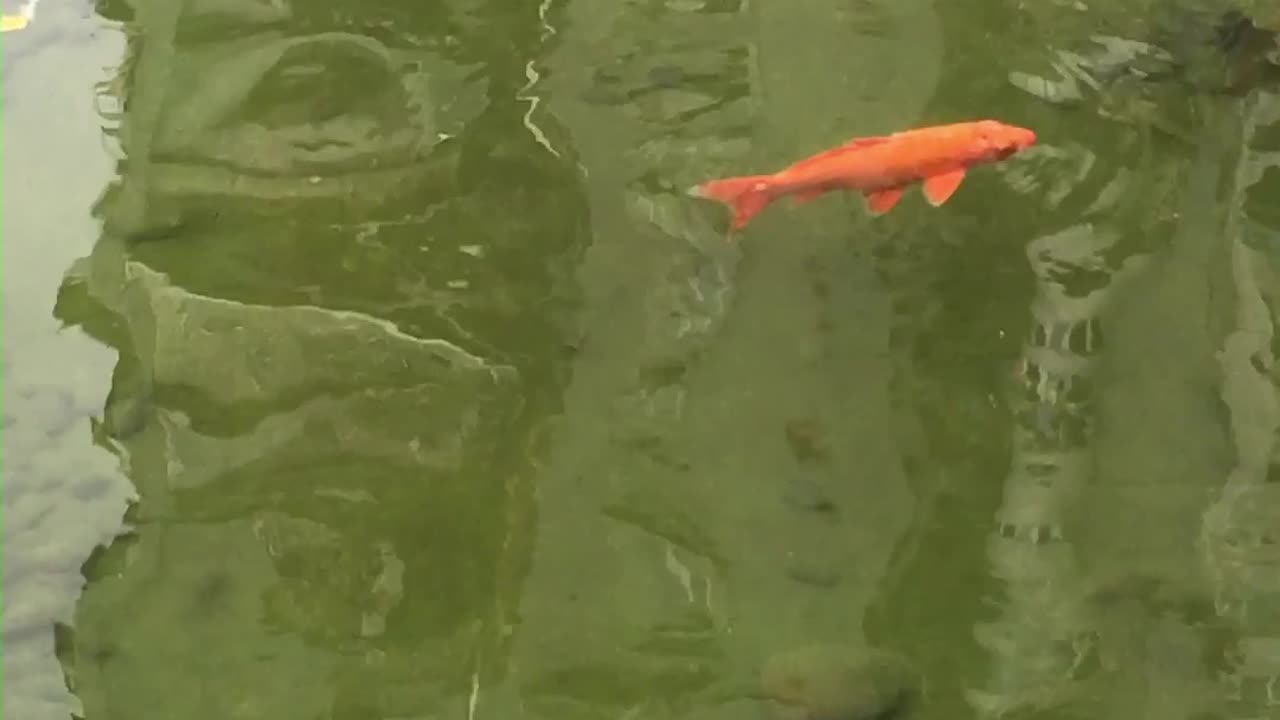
{"x": 531, "y": 73}
{"x": 547, "y": 28}
{"x": 682, "y": 573}
{"x": 475, "y": 695}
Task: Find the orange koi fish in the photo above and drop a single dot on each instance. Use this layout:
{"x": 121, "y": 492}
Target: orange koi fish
{"x": 880, "y": 167}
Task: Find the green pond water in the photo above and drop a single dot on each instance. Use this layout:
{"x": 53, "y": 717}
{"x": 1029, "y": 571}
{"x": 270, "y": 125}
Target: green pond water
{"x": 367, "y": 360}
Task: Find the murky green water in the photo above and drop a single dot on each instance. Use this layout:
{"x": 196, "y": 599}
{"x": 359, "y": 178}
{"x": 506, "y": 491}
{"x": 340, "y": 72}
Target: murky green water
{"x": 367, "y": 360}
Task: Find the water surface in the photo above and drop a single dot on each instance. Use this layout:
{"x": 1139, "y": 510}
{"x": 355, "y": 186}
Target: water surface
{"x": 369, "y": 361}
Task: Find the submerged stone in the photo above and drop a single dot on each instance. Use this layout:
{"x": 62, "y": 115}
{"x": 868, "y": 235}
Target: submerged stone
{"x": 830, "y": 682}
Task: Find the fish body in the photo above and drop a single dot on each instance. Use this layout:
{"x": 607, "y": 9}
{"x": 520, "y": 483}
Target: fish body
{"x": 880, "y": 167}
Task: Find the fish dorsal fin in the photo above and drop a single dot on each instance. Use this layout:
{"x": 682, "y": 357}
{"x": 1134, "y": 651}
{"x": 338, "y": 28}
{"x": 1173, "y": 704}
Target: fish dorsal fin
{"x": 865, "y": 141}
{"x": 881, "y": 201}
{"x": 854, "y": 144}
{"x": 939, "y": 188}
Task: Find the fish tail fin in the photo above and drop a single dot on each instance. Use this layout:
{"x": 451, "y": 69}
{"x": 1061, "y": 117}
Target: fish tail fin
{"x": 745, "y": 195}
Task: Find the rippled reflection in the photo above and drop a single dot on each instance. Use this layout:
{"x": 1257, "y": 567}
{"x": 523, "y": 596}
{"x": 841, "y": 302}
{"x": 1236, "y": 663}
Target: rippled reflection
{"x": 331, "y": 265}
{"x": 1109, "y": 544}
{"x": 738, "y": 508}
{"x": 440, "y": 397}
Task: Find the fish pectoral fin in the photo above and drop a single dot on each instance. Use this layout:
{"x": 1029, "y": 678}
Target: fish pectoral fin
{"x": 939, "y": 188}
{"x": 803, "y": 196}
{"x": 880, "y": 202}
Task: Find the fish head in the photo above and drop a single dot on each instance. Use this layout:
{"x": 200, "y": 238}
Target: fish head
{"x": 993, "y": 140}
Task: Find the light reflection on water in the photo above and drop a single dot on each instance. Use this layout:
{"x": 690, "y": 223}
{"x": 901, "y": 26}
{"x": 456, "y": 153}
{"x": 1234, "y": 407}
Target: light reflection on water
{"x": 439, "y": 396}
